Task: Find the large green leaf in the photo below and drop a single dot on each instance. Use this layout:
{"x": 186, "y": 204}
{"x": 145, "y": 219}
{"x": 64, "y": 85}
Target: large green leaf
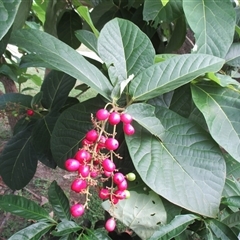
{"x": 66, "y": 227}
{"x": 183, "y": 164}
{"x": 24, "y": 207}
{"x": 57, "y": 55}
{"x": 71, "y": 128}
{"x": 8, "y": 11}
{"x": 220, "y": 107}
{"x": 88, "y": 39}
{"x": 32, "y": 232}
{"x": 174, "y": 72}
{"x": 142, "y": 212}
{"x": 213, "y": 23}
{"x": 233, "y": 55}
{"x": 18, "y": 160}
{"x": 125, "y": 49}
{"x": 174, "y": 228}
{"x": 59, "y": 201}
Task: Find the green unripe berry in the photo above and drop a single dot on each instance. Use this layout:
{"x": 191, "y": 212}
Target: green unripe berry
{"x": 127, "y": 194}
{"x": 131, "y": 177}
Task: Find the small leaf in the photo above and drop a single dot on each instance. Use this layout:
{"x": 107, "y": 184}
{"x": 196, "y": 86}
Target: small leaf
{"x": 233, "y": 166}
{"x": 233, "y": 55}
{"x": 233, "y": 201}
{"x": 231, "y": 188}
{"x": 66, "y": 227}
{"x": 24, "y": 207}
{"x": 36, "y": 99}
{"x": 168, "y": 75}
{"x": 88, "y": 39}
{"x": 32, "y": 232}
{"x": 59, "y": 201}
{"x": 164, "y": 2}
{"x": 97, "y": 234}
{"x": 233, "y": 219}
{"x": 174, "y": 228}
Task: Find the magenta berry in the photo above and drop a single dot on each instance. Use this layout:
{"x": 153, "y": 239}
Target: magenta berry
{"x": 85, "y": 142}
{"x": 110, "y": 224}
{"x": 84, "y": 170}
{"x": 126, "y": 118}
{"x": 128, "y": 129}
{"x": 92, "y": 135}
{"x": 30, "y": 112}
{"x": 77, "y": 210}
{"x": 118, "y": 178}
{"x": 120, "y": 194}
{"x": 114, "y": 118}
{"x": 107, "y": 174}
{"x": 108, "y": 165}
{"x": 83, "y": 156}
{"x": 103, "y": 193}
{"x": 72, "y": 165}
{"x": 114, "y": 200}
{"x": 94, "y": 173}
{"x": 102, "y": 114}
{"x": 123, "y": 185}
{"x": 78, "y": 185}
{"x": 111, "y": 144}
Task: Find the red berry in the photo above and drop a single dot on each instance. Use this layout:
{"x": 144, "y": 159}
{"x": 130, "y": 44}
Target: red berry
{"x": 128, "y": 129}
{"x": 110, "y": 224}
{"x": 114, "y": 200}
{"x": 72, "y": 165}
{"x": 83, "y": 156}
{"x": 78, "y": 185}
{"x": 103, "y": 193}
{"x": 94, "y": 173}
{"x": 118, "y": 178}
{"x": 84, "y": 170}
{"x": 114, "y": 118}
{"x": 126, "y": 118}
{"x": 120, "y": 194}
{"x": 30, "y": 112}
{"x": 123, "y": 185}
{"x": 102, "y": 114}
{"x": 92, "y": 135}
{"x": 77, "y": 210}
{"x": 108, "y": 165}
{"x": 111, "y": 144}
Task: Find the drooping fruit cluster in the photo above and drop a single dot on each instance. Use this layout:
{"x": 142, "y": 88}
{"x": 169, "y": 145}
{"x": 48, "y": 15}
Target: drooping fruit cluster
{"x": 94, "y": 162}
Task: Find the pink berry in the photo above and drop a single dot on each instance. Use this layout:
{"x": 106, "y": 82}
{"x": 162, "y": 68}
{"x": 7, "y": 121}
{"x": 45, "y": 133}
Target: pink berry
{"x": 78, "y": 185}
{"x": 114, "y": 200}
{"x": 108, "y": 165}
{"x": 107, "y": 174}
{"x": 102, "y": 114}
{"x": 128, "y": 129}
{"x": 84, "y": 170}
{"x": 123, "y": 185}
{"x": 94, "y": 173}
{"x": 126, "y": 118}
{"x": 111, "y": 144}
{"x": 120, "y": 194}
{"x": 77, "y": 210}
{"x": 85, "y": 142}
{"x": 114, "y": 118}
{"x": 103, "y": 193}
{"x": 101, "y": 143}
{"x": 83, "y": 156}
{"x": 92, "y": 135}
{"x": 72, "y": 165}
{"x": 110, "y": 224}
{"x": 30, "y": 112}
{"x": 118, "y": 178}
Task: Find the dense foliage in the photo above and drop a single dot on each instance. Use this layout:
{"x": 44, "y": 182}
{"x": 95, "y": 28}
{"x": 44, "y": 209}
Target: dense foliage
{"x": 185, "y": 108}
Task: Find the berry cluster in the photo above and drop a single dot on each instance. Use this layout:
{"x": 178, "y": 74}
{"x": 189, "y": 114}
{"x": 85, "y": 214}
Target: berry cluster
{"x": 94, "y": 162}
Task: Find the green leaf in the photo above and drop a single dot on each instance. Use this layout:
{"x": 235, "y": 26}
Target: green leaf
{"x": 18, "y": 160}
{"x": 174, "y": 228}
{"x": 56, "y": 87}
{"x": 220, "y": 107}
{"x": 213, "y": 23}
{"x": 32, "y": 232}
{"x": 24, "y": 208}
{"x": 233, "y": 55}
{"x": 97, "y": 234}
{"x": 59, "y": 201}
{"x": 233, "y": 166}
{"x": 233, "y": 201}
{"x": 36, "y": 99}
{"x": 125, "y": 49}
{"x": 143, "y": 213}
{"x": 66, "y": 227}
{"x": 8, "y": 11}
{"x": 71, "y": 128}
{"x": 231, "y": 188}
{"x": 6, "y": 69}
{"x": 162, "y": 57}
{"x": 183, "y": 164}
{"x": 164, "y": 2}
{"x": 57, "y": 55}
{"x": 39, "y": 7}
{"x": 88, "y": 39}
{"x": 233, "y": 219}
{"x": 168, "y": 75}
{"x": 221, "y": 230}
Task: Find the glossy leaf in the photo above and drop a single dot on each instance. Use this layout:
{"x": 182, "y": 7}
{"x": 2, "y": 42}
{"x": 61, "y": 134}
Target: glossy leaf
{"x": 182, "y": 164}
{"x": 205, "y": 18}
{"x": 56, "y": 87}
{"x": 88, "y": 39}
{"x": 97, "y": 234}
{"x": 168, "y": 75}
{"x": 57, "y": 55}
{"x": 220, "y": 107}
{"x": 143, "y": 213}
{"x": 174, "y": 228}
{"x": 18, "y": 160}
{"x": 125, "y": 49}
{"x": 32, "y": 232}
{"x": 39, "y": 7}
{"x": 233, "y": 201}
{"x": 221, "y": 230}
{"x": 66, "y": 227}
{"x": 8, "y": 11}
{"x": 24, "y": 207}
{"x": 59, "y": 201}
{"x": 233, "y": 55}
